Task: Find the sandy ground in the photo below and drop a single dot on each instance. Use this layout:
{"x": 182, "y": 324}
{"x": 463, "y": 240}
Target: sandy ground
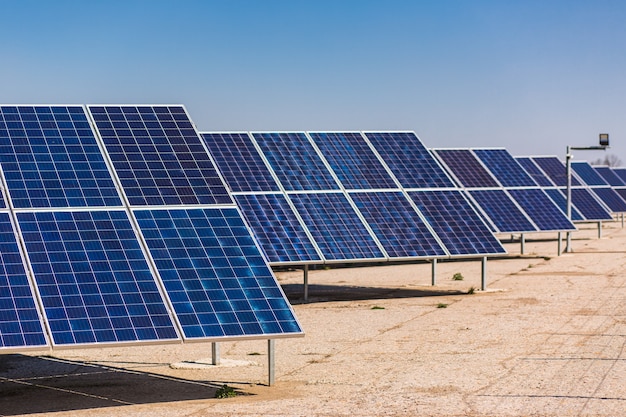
{"x": 547, "y": 338}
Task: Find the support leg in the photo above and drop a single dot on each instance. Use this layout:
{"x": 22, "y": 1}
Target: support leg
{"x": 599, "y": 230}
{"x": 483, "y": 275}
{"x": 558, "y": 246}
{"x": 215, "y": 353}
{"x": 522, "y": 240}
{"x": 433, "y": 280}
{"x": 306, "y": 283}
{"x": 271, "y": 361}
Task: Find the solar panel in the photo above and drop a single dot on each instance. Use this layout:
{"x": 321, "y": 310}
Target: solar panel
{"x": 586, "y": 172}
{"x": 621, "y": 192}
{"x": 502, "y": 211}
{"x": 610, "y": 198}
{"x": 557, "y": 196}
{"x": 588, "y": 206}
{"x": 397, "y": 225}
{"x": 214, "y": 274}
{"x": 411, "y": 163}
{"x": 276, "y": 227}
{"x": 555, "y": 170}
{"x": 534, "y": 171}
{"x": 620, "y": 172}
{"x": 295, "y": 161}
{"x": 20, "y": 323}
{"x": 158, "y": 156}
{"x": 541, "y": 209}
{"x": 353, "y": 161}
{"x": 505, "y": 168}
{"x": 336, "y": 227}
{"x": 239, "y": 162}
{"x": 461, "y": 229}
{"x": 93, "y": 279}
{"x": 50, "y": 158}
{"x": 610, "y": 177}
{"x": 466, "y": 168}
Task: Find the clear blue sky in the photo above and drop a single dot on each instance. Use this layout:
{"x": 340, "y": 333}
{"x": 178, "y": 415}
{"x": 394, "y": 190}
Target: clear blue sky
{"x": 532, "y": 76}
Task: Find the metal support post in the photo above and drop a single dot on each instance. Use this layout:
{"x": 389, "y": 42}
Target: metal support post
{"x": 558, "y": 246}
{"x": 522, "y": 241}
{"x": 568, "y": 167}
{"x": 215, "y": 353}
{"x": 306, "y": 283}
{"x": 622, "y": 220}
{"x": 483, "y": 275}
{"x": 599, "y": 230}
{"x": 433, "y": 280}
{"x": 271, "y": 361}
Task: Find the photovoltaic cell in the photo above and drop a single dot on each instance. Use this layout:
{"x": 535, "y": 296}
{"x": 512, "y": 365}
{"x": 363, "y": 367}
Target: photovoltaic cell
{"x": 506, "y": 216}
{"x": 158, "y": 156}
{"x": 466, "y": 168}
{"x": 50, "y": 158}
{"x": 534, "y": 171}
{"x": 411, "y": 163}
{"x": 610, "y": 177}
{"x": 239, "y": 162}
{"x": 336, "y": 227}
{"x": 586, "y": 172}
{"x": 353, "y": 161}
{"x": 93, "y": 278}
{"x": 588, "y": 205}
{"x": 559, "y": 199}
{"x": 610, "y": 198}
{"x": 540, "y": 208}
{"x": 554, "y": 169}
{"x": 20, "y": 325}
{"x": 295, "y": 161}
{"x": 397, "y": 225}
{"x": 276, "y": 227}
{"x": 215, "y": 276}
{"x": 461, "y": 229}
{"x": 620, "y": 172}
{"x": 505, "y": 168}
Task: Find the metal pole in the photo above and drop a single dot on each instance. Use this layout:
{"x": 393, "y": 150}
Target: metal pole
{"x": 568, "y": 163}
{"x": 622, "y": 220}
{"x": 215, "y": 353}
{"x": 271, "y": 361}
{"x": 558, "y": 246}
{"x": 522, "y": 241}
{"x": 306, "y": 283}
{"x": 433, "y": 280}
{"x": 483, "y": 275}
{"x": 599, "y": 230}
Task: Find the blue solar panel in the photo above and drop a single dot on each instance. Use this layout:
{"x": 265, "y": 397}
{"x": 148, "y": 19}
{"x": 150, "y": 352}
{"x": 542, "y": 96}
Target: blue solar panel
{"x": 336, "y": 228}
{"x": 505, "y": 168}
{"x": 239, "y": 162}
{"x": 554, "y": 169}
{"x": 559, "y": 199}
{"x": 534, "y": 171}
{"x": 158, "y": 155}
{"x": 466, "y": 168}
{"x": 397, "y": 225}
{"x": 411, "y": 163}
{"x": 295, "y": 161}
{"x": 541, "y": 209}
{"x": 621, "y": 192}
{"x": 506, "y": 216}
{"x": 50, "y": 158}
{"x": 93, "y": 278}
{"x": 588, "y": 206}
{"x": 461, "y": 229}
{"x": 620, "y": 172}
{"x": 607, "y": 173}
{"x": 277, "y": 228}
{"x": 586, "y": 172}
{"x": 353, "y": 161}
{"x": 20, "y": 324}
{"x": 610, "y": 198}
{"x": 215, "y": 276}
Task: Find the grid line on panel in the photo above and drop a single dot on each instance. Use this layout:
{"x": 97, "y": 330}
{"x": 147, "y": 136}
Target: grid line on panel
{"x": 555, "y": 170}
{"x": 215, "y": 276}
{"x": 466, "y": 168}
{"x": 239, "y": 162}
{"x": 506, "y": 216}
{"x": 505, "y": 168}
{"x": 409, "y": 160}
{"x": 93, "y": 278}
{"x": 534, "y": 171}
{"x": 461, "y": 229}
{"x": 51, "y": 159}
{"x": 352, "y": 160}
{"x": 559, "y": 199}
{"x": 276, "y": 227}
{"x": 295, "y": 161}
{"x": 336, "y": 227}
{"x": 159, "y": 157}
{"x": 20, "y": 324}
{"x": 397, "y": 225}
{"x": 541, "y": 209}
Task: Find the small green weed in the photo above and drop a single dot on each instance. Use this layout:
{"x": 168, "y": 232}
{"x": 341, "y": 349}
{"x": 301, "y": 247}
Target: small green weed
{"x": 225, "y": 392}
{"x": 378, "y": 308}
{"x": 546, "y": 258}
{"x": 442, "y": 305}
{"x": 471, "y": 290}
{"x": 457, "y": 277}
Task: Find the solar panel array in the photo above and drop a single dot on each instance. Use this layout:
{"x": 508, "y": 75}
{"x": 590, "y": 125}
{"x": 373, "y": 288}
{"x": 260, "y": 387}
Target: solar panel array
{"x": 347, "y": 194}
{"x": 117, "y": 228}
{"x": 599, "y": 186}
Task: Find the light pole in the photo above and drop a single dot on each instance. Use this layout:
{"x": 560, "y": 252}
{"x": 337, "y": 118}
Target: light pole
{"x": 603, "y": 144}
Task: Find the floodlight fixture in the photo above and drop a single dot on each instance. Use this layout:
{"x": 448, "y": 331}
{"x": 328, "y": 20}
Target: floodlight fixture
{"x": 604, "y": 139}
